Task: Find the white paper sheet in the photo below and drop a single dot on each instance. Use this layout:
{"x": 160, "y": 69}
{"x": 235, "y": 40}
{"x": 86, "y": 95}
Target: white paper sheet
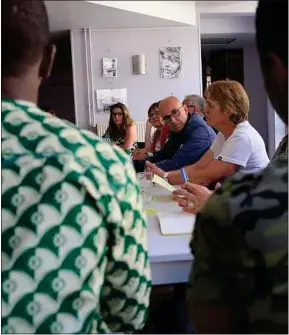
{"x": 160, "y": 181}
{"x": 176, "y": 223}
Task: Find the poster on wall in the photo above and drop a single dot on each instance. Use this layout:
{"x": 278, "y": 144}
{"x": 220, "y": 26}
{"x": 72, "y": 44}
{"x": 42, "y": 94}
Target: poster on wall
{"x": 109, "y": 67}
{"x": 107, "y": 97}
{"x": 170, "y": 62}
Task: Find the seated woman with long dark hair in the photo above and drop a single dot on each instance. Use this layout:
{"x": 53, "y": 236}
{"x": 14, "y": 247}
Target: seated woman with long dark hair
{"x": 121, "y": 129}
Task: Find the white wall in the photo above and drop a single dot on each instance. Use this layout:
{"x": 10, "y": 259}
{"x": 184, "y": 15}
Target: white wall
{"x": 227, "y": 25}
{"x": 254, "y": 86}
{"x": 227, "y": 7}
{"x": 142, "y": 90}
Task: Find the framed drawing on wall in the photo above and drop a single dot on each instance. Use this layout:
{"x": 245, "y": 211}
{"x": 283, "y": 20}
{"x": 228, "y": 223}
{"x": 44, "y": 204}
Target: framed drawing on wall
{"x": 170, "y": 62}
{"x": 108, "y": 97}
{"x": 109, "y": 67}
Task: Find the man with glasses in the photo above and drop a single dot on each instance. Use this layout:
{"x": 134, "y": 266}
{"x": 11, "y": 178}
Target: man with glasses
{"x": 189, "y": 138}
{"x": 238, "y": 146}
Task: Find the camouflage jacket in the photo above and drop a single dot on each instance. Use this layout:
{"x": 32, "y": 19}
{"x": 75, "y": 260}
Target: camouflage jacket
{"x": 240, "y": 245}
{"x": 282, "y": 150}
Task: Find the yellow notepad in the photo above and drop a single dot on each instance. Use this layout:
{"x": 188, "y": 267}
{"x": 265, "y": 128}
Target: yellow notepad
{"x": 160, "y": 181}
{"x": 151, "y": 211}
{"x": 176, "y": 223}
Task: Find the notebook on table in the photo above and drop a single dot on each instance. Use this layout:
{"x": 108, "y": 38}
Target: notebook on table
{"x": 177, "y": 223}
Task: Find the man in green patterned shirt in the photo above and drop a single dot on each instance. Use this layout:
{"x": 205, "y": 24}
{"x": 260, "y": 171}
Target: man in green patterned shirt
{"x": 239, "y": 280}
{"x": 74, "y": 244}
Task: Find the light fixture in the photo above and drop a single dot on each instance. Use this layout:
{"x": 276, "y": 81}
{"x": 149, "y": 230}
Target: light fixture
{"x": 139, "y": 64}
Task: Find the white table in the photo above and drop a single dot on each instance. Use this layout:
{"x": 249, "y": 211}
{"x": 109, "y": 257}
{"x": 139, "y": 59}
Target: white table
{"x": 170, "y": 256}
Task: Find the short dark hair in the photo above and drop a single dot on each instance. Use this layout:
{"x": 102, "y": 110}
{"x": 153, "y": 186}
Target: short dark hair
{"x": 272, "y": 28}
{"x": 154, "y": 106}
{"x": 25, "y": 34}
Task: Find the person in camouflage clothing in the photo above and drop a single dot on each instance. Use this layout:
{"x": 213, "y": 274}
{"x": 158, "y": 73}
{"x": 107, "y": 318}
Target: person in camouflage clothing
{"x": 282, "y": 149}
{"x": 239, "y": 278}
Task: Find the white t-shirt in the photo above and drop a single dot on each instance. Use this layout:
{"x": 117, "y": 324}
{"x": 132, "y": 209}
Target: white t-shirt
{"x": 245, "y": 147}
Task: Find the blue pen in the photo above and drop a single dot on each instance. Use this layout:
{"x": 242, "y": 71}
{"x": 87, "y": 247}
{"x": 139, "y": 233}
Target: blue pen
{"x": 184, "y": 175}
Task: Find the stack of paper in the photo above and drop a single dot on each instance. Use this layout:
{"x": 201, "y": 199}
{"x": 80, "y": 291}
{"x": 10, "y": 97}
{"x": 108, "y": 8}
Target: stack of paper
{"x": 176, "y": 223}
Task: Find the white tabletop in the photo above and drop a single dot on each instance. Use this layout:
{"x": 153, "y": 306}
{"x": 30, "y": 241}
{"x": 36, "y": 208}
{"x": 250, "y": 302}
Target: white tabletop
{"x": 170, "y": 256}
{"x": 165, "y": 248}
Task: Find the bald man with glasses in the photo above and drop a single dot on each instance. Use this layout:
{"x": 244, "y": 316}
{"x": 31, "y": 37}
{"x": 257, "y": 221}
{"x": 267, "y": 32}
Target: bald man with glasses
{"x": 189, "y": 138}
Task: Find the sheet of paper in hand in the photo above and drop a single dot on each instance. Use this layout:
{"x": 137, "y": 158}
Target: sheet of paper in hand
{"x": 160, "y": 181}
{"x": 177, "y": 223}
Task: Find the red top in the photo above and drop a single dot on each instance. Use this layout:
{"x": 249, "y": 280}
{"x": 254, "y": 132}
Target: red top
{"x": 160, "y": 135}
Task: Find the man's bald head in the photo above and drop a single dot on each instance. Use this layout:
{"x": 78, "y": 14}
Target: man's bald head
{"x": 170, "y": 103}
{"x": 172, "y": 106}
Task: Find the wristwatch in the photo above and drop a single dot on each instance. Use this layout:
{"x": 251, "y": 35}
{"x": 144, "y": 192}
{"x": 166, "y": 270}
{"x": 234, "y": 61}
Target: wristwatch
{"x": 165, "y": 177}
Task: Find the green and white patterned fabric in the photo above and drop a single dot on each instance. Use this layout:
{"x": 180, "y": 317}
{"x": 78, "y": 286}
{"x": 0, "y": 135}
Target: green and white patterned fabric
{"x": 74, "y": 243}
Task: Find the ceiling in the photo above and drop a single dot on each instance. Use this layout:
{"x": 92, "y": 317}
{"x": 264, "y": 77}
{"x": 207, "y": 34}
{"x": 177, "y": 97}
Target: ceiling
{"x": 200, "y": 4}
{"x": 79, "y": 14}
{"x": 64, "y": 15}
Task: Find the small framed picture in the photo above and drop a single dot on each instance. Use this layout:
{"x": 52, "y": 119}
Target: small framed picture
{"x": 109, "y": 67}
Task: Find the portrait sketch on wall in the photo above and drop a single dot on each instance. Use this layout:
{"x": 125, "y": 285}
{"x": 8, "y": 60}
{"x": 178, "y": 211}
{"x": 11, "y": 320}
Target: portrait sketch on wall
{"x": 109, "y": 67}
{"x": 170, "y": 62}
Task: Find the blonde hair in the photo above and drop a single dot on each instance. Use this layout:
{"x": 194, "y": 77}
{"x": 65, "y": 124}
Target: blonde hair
{"x": 231, "y": 97}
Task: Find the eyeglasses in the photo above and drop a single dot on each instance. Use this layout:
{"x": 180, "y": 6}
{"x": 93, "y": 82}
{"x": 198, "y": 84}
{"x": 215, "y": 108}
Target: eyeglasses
{"x": 174, "y": 113}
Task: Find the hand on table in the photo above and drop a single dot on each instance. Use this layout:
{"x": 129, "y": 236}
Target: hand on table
{"x": 139, "y": 154}
{"x": 150, "y": 167}
{"x": 193, "y": 197}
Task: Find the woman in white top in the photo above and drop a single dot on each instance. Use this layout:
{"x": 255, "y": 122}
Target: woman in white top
{"x": 237, "y": 147}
